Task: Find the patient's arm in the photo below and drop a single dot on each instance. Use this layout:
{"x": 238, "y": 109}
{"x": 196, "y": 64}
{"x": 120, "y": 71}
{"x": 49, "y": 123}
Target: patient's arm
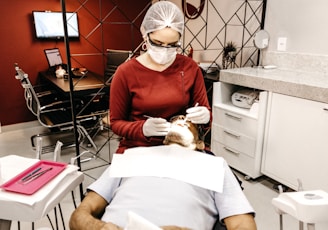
{"x": 87, "y": 214}
{"x": 240, "y": 222}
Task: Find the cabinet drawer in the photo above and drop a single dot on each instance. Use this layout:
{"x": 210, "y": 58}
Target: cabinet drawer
{"x": 237, "y": 160}
{"x": 235, "y": 121}
{"x": 234, "y": 140}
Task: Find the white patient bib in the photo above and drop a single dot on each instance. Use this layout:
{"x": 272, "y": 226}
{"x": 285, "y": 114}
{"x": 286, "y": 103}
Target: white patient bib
{"x": 170, "y": 161}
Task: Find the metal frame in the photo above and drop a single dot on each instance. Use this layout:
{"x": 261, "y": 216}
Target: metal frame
{"x": 102, "y": 52}
{"x": 246, "y": 53}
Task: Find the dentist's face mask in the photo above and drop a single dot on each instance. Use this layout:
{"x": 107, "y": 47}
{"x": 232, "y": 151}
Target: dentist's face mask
{"x": 161, "y": 54}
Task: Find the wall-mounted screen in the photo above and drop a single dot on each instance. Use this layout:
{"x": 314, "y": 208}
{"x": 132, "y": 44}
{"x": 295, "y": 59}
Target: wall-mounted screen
{"x": 50, "y": 24}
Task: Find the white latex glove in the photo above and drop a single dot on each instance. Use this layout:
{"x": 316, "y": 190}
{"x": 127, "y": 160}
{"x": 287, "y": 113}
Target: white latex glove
{"x": 155, "y": 127}
{"x": 198, "y": 115}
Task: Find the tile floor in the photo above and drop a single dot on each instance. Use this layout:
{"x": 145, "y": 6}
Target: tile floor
{"x": 15, "y": 139}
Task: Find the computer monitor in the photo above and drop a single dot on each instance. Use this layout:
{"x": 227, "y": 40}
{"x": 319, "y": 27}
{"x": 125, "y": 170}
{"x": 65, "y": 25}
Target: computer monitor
{"x": 53, "y": 57}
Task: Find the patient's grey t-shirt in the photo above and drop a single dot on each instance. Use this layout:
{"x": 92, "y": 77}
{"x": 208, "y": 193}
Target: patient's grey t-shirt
{"x": 165, "y": 201}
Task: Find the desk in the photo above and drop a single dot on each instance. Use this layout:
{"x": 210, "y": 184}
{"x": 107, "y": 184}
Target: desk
{"x": 92, "y": 91}
{"x": 90, "y": 88}
{"x": 89, "y": 84}
{"x": 33, "y": 207}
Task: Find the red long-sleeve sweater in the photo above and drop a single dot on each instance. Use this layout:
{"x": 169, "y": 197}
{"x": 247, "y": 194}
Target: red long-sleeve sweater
{"x": 137, "y": 91}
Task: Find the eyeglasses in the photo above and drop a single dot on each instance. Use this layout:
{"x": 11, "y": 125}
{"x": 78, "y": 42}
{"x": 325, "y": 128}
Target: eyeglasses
{"x": 173, "y": 45}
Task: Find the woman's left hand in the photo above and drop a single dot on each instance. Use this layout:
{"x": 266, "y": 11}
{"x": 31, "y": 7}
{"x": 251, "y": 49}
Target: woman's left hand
{"x": 198, "y": 115}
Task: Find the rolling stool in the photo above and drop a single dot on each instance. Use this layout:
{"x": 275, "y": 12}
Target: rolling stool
{"x": 308, "y": 207}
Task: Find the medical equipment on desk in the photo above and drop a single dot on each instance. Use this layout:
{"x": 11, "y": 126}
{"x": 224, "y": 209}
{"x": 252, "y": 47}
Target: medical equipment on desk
{"x": 244, "y": 98}
{"x": 308, "y": 207}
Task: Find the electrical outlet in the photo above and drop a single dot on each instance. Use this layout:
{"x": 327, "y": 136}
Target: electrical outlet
{"x": 282, "y": 44}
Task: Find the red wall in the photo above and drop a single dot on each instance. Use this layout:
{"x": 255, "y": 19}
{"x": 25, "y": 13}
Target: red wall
{"x": 19, "y": 45}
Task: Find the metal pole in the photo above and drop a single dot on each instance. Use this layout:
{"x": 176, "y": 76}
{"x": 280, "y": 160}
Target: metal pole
{"x": 264, "y": 5}
{"x": 71, "y": 86}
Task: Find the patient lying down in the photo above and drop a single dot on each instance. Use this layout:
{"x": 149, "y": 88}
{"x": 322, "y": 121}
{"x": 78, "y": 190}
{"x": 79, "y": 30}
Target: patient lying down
{"x": 166, "y": 202}
{"x": 184, "y": 133}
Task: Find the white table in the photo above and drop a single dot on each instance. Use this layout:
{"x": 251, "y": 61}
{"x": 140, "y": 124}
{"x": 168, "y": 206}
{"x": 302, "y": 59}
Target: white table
{"x": 20, "y": 207}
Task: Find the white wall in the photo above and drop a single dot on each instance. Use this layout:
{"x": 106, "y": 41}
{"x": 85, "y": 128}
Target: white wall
{"x": 221, "y": 22}
{"x": 303, "y": 22}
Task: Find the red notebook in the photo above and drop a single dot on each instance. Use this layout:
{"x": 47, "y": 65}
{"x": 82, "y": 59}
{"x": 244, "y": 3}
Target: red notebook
{"x": 35, "y": 177}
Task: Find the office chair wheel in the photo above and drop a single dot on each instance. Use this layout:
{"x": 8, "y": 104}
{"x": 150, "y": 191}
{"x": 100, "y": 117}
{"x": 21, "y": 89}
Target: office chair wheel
{"x": 247, "y": 178}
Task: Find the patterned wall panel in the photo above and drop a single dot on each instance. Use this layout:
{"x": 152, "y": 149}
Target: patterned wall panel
{"x": 221, "y": 22}
{"x": 107, "y": 24}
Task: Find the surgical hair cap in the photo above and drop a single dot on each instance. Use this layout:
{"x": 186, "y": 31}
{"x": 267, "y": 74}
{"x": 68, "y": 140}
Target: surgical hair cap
{"x": 160, "y": 15}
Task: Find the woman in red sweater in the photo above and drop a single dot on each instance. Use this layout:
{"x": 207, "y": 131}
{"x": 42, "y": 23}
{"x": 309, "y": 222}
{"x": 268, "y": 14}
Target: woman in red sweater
{"x": 157, "y": 85}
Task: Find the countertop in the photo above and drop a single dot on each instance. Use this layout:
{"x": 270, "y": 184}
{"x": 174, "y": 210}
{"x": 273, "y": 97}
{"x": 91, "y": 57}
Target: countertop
{"x": 307, "y": 85}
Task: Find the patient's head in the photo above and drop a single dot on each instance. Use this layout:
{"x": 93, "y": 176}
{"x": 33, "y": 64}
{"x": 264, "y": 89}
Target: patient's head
{"x": 184, "y": 133}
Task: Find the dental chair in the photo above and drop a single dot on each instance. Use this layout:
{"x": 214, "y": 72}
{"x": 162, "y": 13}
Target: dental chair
{"x": 219, "y": 226}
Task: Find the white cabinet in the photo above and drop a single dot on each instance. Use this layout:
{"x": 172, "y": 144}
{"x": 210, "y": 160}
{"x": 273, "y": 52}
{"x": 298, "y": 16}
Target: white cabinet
{"x": 237, "y": 133}
{"x": 296, "y": 142}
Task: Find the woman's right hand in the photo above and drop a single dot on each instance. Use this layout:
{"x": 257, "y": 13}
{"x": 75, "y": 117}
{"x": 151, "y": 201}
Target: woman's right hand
{"x": 155, "y": 127}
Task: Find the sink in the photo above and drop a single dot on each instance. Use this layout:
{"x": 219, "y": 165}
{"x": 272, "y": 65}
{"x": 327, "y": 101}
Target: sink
{"x": 305, "y": 206}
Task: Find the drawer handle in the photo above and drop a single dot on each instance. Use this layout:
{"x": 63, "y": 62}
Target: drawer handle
{"x": 232, "y": 116}
{"x": 231, "y": 134}
{"x": 325, "y": 109}
{"x": 230, "y": 151}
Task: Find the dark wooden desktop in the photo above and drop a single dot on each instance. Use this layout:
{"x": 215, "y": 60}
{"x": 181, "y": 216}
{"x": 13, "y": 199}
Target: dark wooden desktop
{"x": 88, "y": 84}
